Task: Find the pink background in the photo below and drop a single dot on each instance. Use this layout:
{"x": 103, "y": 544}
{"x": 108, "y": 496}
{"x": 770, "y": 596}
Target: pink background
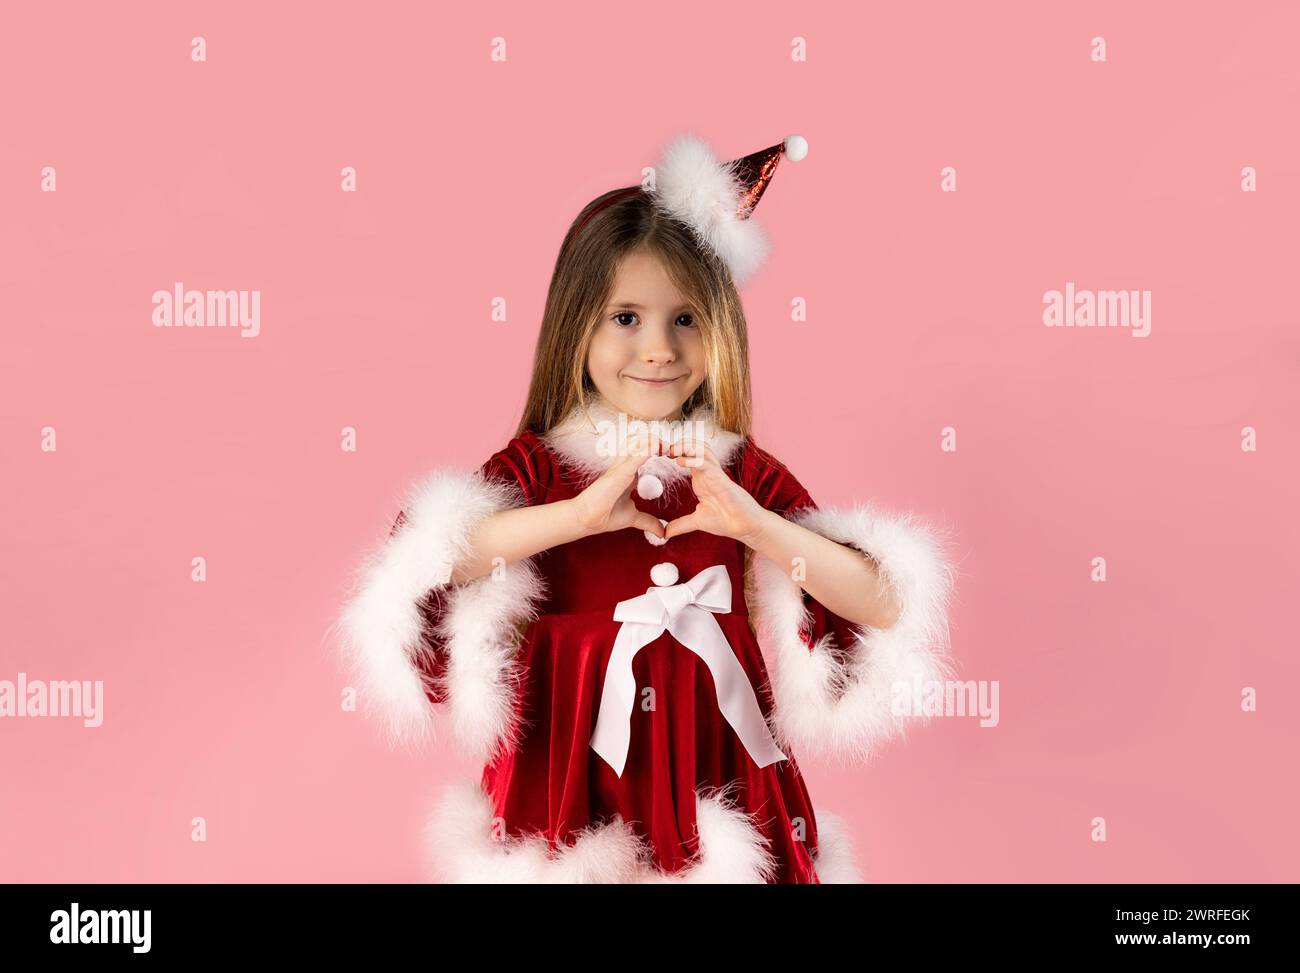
{"x": 1118, "y": 700}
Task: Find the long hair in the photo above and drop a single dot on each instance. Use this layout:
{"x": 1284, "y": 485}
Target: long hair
{"x": 582, "y": 284}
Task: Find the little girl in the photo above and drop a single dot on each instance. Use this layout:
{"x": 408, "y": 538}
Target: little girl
{"x": 635, "y": 615}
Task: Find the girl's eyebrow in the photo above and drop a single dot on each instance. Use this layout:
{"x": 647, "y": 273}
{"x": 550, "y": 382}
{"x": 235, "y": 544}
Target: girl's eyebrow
{"x": 639, "y": 307}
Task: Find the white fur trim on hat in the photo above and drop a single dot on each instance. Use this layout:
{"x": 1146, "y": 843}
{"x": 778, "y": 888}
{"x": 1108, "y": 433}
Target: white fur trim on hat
{"x": 461, "y": 848}
{"x": 694, "y": 187}
{"x": 840, "y": 700}
{"x": 382, "y": 627}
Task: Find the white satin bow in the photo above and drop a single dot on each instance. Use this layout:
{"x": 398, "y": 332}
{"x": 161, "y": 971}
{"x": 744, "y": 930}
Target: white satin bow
{"x": 686, "y": 610}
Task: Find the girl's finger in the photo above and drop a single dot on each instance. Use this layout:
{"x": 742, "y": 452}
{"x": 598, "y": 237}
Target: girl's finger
{"x": 693, "y": 455}
{"x": 634, "y": 460}
{"x": 682, "y": 525}
{"x": 644, "y": 445}
{"x": 648, "y": 522}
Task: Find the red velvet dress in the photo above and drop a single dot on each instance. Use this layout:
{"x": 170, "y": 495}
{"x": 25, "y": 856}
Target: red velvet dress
{"x": 554, "y": 783}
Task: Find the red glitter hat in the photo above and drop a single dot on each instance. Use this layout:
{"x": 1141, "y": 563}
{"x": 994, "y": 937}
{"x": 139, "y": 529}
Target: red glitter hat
{"x": 715, "y": 199}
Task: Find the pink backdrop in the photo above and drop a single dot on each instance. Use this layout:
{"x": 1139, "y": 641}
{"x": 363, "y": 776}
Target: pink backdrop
{"x": 1119, "y": 700}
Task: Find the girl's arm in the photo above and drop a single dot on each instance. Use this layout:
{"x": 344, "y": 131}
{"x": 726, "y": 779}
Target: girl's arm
{"x": 841, "y": 578}
{"x": 518, "y": 533}
{"x": 521, "y": 532}
{"x": 842, "y": 682}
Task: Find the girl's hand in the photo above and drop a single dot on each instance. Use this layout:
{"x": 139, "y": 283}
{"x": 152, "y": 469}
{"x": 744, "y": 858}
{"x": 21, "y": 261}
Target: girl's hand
{"x": 606, "y": 504}
{"x": 725, "y": 507}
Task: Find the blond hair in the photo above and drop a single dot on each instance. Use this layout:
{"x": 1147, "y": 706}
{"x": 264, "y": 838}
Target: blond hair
{"x": 582, "y": 284}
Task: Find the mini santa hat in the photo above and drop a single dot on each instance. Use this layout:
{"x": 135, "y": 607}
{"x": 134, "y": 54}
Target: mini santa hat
{"x": 715, "y": 199}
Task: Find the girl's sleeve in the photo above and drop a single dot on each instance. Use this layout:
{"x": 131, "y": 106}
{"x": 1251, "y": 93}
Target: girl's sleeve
{"x": 841, "y": 689}
{"x": 425, "y": 652}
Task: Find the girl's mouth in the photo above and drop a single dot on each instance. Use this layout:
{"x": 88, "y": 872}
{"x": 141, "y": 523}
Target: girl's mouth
{"x": 655, "y": 381}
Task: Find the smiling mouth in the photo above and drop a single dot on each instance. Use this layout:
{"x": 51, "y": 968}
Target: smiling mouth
{"x": 655, "y": 381}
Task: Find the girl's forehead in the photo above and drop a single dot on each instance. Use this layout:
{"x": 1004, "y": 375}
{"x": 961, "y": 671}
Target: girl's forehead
{"x": 641, "y": 279}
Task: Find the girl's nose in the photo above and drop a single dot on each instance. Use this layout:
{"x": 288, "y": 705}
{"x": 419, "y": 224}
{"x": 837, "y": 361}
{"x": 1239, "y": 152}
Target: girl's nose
{"x": 658, "y": 345}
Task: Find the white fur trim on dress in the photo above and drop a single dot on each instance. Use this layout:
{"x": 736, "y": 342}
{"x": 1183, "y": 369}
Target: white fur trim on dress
{"x": 839, "y": 701}
{"x": 834, "y": 859}
{"x": 382, "y": 628}
{"x": 692, "y": 186}
{"x": 463, "y": 848}
{"x": 592, "y": 441}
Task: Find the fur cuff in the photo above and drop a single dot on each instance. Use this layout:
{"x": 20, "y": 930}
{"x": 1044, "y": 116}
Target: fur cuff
{"x": 461, "y": 849}
{"x": 383, "y": 632}
{"x": 839, "y": 700}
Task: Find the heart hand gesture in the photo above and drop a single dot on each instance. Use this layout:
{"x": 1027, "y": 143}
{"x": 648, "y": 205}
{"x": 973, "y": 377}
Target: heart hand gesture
{"x": 725, "y": 508}
{"x": 606, "y": 504}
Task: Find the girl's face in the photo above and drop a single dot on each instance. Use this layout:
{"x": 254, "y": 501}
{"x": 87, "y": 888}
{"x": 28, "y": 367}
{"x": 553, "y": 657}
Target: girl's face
{"x": 646, "y": 355}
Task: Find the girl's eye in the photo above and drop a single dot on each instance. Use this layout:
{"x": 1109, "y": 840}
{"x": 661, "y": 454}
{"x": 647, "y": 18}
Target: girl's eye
{"x": 690, "y": 319}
